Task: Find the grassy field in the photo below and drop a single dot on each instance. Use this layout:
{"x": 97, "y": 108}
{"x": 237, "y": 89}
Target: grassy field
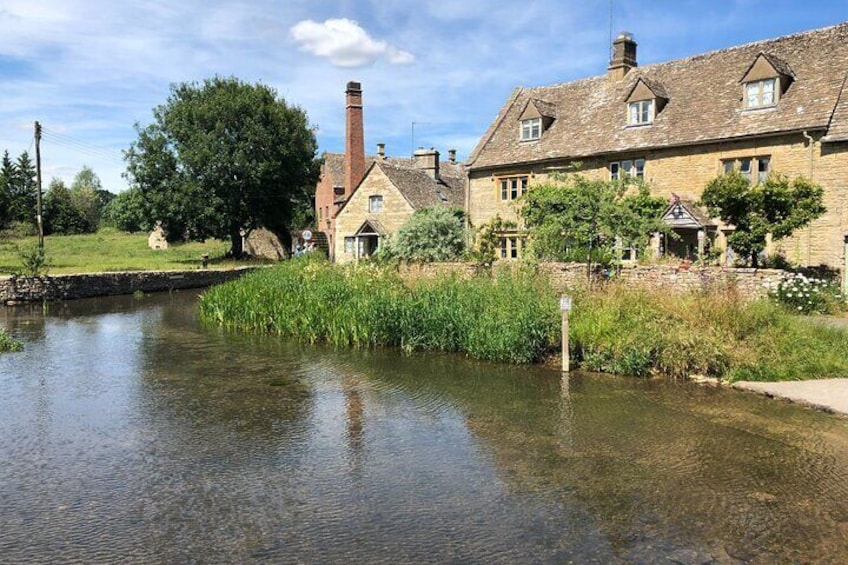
{"x": 111, "y": 250}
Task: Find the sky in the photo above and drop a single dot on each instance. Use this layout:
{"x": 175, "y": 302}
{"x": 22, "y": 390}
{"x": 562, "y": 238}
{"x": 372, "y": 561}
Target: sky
{"x": 433, "y": 73}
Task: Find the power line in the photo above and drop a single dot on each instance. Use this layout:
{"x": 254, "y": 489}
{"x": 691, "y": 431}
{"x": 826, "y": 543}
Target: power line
{"x": 79, "y": 146}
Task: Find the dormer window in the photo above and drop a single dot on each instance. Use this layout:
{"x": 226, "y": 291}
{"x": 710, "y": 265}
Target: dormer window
{"x": 765, "y": 82}
{"x": 531, "y": 129}
{"x": 645, "y": 100}
{"x": 760, "y": 93}
{"x": 641, "y": 112}
{"x": 536, "y": 117}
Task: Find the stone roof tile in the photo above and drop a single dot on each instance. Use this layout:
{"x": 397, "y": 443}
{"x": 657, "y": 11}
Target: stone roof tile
{"x": 704, "y": 103}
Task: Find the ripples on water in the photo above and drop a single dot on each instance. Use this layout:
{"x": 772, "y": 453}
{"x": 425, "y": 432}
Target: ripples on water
{"x": 130, "y": 433}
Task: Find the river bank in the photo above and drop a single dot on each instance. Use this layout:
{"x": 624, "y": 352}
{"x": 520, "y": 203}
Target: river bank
{"x": 21, "y": 289}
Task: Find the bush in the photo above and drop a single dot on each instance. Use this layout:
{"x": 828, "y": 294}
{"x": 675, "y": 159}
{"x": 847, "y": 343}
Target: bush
{"x": 431, "y": 234}
{"x": 804, "y": 294}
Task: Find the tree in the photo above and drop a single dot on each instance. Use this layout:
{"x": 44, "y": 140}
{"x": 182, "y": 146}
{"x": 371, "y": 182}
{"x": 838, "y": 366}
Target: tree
{"x": 577, "y": 218}
{"x": 21, "y": 188}
{"x": 7, "y": 176}
{"x": 60, "y": 214}
{"x": 223, "y": 156}
{"x": 776, "y": 206}
{"x": 128, "y": 211}
{"x": 431, "y": 234}
{"x": 86, "y": 196}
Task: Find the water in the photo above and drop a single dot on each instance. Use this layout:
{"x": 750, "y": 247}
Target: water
{"x": 131, "y": 433}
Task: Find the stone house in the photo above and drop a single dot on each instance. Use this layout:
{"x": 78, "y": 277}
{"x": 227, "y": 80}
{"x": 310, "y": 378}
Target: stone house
{"x": 779, "y": 105}
{"x": 385, "y": 190}
{"x": 387, "y": 196}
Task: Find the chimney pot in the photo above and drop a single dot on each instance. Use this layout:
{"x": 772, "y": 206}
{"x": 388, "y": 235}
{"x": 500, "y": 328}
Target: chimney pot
{"x": 623, "y": 56}
{"x": 452, "y": 155}
{"x": 381, "y": 151}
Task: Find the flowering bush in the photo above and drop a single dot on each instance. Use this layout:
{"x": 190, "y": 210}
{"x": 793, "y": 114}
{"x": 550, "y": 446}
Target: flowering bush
{"x": 806, "y": 294}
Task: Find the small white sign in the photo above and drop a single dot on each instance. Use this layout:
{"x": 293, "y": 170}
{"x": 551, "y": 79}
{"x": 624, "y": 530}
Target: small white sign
{"x": 565, "y": 303}
{"x": 306, "y": 235}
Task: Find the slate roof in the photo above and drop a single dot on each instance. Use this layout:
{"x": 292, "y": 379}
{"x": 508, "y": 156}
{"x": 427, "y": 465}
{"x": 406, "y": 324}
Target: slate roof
{"x": 704, "y": 103}
{"x": 421, "y": 190}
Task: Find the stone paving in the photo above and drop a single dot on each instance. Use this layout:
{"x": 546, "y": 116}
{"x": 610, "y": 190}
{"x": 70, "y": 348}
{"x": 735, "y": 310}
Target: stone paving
{"x": 830, "y": 395}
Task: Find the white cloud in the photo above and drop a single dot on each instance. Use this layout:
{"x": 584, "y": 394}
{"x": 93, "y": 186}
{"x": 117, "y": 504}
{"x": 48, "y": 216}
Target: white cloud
{"x": 345, "y": 43}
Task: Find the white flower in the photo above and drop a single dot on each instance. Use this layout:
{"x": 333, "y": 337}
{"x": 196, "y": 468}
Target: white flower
{"x": 799, "y": 308}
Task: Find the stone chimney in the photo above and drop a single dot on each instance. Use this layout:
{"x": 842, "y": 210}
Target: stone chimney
{"x": 354, "y": 138}
{"x": 381, "y": 151}
{"x": 427, "y": 160}
{"x": 623, "y": 56}
{"x": 452, "y": 155}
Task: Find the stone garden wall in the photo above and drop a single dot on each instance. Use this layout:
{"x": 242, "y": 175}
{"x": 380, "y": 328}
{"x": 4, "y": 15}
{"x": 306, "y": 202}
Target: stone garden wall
{"x": 17, "y": 289}
{"x": 749, "y": 283}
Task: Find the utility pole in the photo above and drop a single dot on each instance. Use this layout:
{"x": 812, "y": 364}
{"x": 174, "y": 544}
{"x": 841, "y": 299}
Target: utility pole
{"x": 38, "y": 184}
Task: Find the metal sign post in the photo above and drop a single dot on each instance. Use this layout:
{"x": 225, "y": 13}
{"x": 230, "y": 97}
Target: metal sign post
{"x": 565, "y": 308}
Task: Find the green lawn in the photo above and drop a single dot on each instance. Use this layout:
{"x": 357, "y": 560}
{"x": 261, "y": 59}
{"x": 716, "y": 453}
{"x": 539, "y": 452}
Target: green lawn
{"x": 111, "y": 250}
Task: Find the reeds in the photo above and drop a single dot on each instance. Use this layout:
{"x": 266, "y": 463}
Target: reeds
{"x": 508, "y": 318}
{"x": 513, "y": 317}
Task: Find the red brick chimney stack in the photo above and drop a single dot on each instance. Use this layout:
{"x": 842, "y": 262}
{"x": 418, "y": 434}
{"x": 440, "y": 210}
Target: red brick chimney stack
{"x": 354, "y": 138}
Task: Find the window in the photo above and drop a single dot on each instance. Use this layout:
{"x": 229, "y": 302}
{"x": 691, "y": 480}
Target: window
{"x": 510, "y": 246}
{"x": 628, "y": 168}
{"x": 641, "y": 112}
{"x": 747, "y": 165}
{"x": 319, "y": 213}
{"x": 513, "y": 187}
{"x": 531, "y": 129}
{"x": 375, "y": 204}
{"x": 761, "y": 93}
{"x": 349, "y": 242}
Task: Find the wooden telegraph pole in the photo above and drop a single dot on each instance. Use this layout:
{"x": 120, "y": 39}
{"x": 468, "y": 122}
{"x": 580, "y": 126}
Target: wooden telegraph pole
{"x": 38, "y": 185}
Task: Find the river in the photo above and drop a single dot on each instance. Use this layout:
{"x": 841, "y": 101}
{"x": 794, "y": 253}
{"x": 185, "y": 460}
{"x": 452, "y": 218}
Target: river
{"x": 132, "y": 433}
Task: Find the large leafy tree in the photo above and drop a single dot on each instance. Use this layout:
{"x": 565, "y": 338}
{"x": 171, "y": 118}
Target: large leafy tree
{"x": 127, "y": 211}
{"x": 577, "y": 218}
{"x": 61, "y": 216}
{"x": 87, "y": 195}
{"x": 776, "y": 206}
{"x": 223, "y": 156}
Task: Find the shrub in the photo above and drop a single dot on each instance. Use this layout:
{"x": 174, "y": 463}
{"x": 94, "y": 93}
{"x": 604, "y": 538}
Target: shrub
{"x": 803, "y": 294}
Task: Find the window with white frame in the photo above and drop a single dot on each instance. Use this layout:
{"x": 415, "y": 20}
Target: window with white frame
{"x": 375, "y": 203}
{"x": 761, "y": 93}
{"x": 349, "y": 243}
{"x": 627, "y": 168}
{"x": 752, "y": 168}
{"x": 531, "y": 129}
{"x": 641, "y": 112}
{"x": 511, "y": 188}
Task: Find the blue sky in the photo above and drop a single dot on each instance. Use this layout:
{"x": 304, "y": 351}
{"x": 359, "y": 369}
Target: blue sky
{"x": 88, "y": 70}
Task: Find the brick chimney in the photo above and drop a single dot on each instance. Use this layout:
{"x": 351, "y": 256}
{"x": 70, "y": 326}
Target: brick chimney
{"x": 623, "y": 56}
{"x": 427, "y": 160}
{"x": 354, "y": 138}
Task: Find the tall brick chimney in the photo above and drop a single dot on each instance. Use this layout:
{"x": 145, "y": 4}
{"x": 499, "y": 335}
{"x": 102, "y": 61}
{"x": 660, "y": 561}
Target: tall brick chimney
{"x": 354, "y": 138}
{"x": 623, "y": 56}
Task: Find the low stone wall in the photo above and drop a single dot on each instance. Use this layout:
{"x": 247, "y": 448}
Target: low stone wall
{"x": 18, "y": 289}
{"x": 748, "y": 283}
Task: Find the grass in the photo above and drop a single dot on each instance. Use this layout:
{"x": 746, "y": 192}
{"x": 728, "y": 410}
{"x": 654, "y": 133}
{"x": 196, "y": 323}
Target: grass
{"x": 110, "y": 250}
{"x": 514, "y": 318}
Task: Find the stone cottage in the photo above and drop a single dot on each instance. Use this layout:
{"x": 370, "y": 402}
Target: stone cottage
{"x": 779, "y": 105}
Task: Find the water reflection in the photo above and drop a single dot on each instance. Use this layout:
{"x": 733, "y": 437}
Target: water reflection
{"x": 131, "y": 432}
